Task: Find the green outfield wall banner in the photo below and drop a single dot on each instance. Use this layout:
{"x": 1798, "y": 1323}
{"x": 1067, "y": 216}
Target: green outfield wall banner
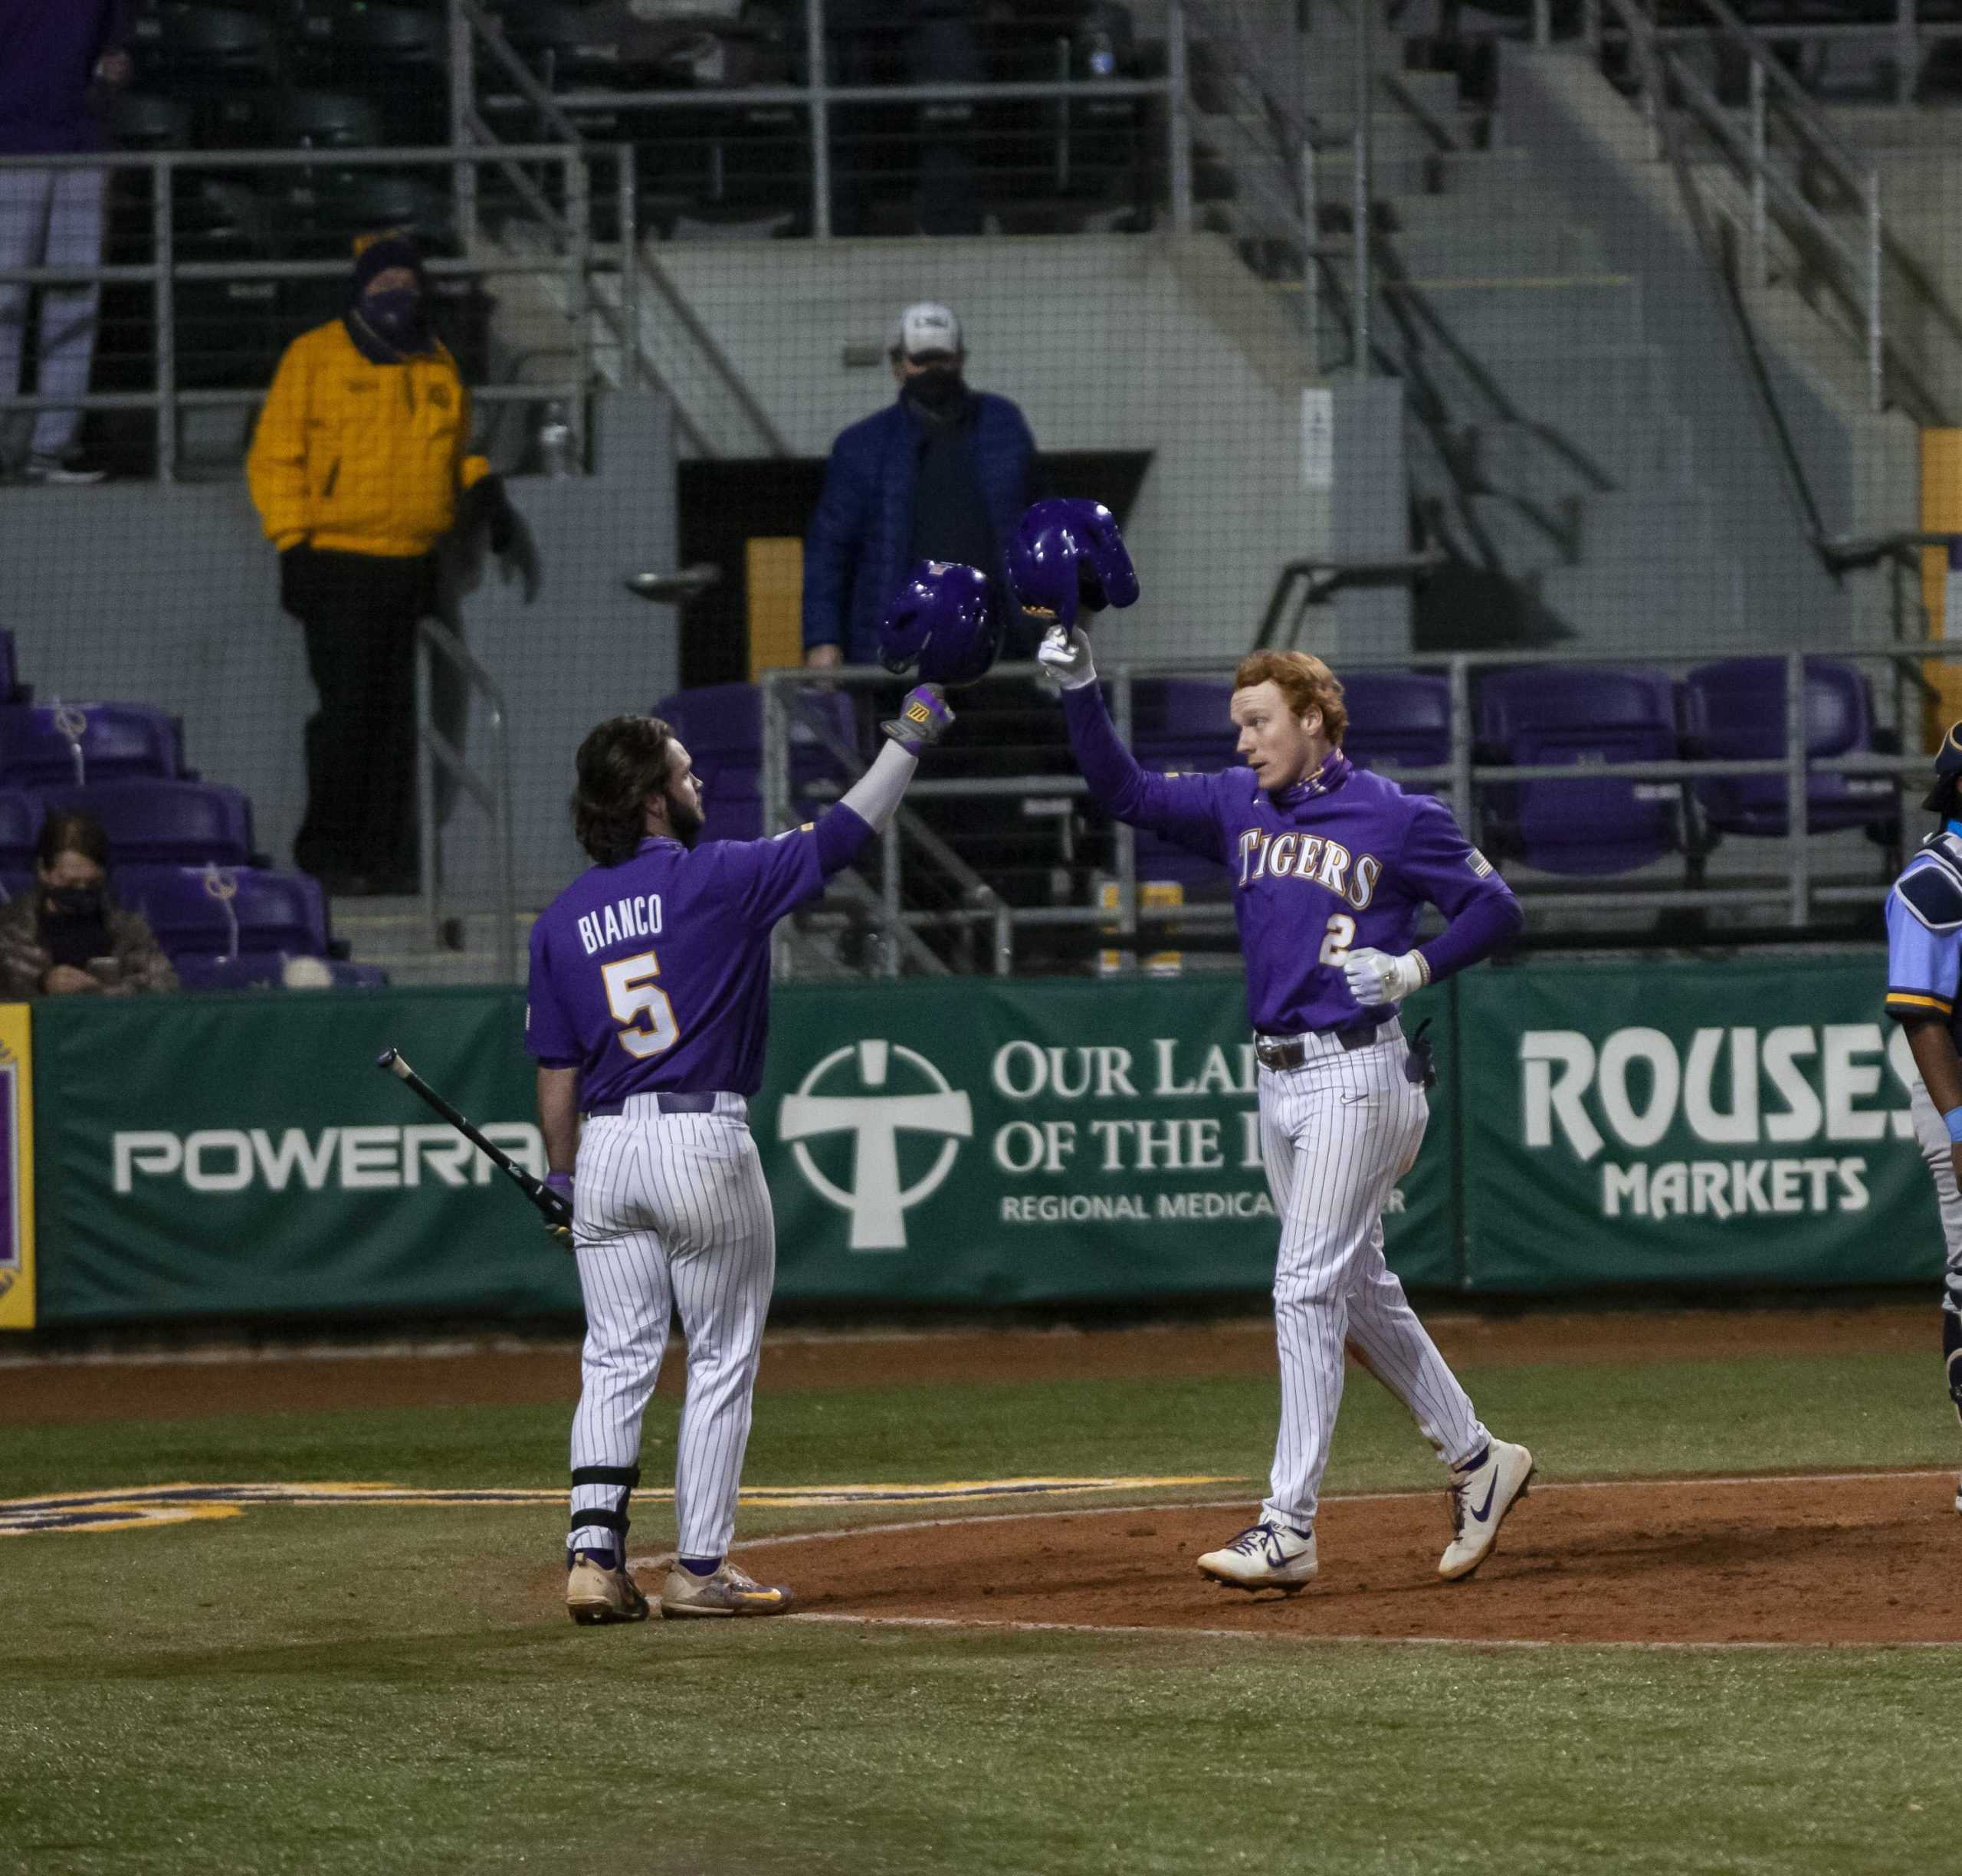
{"x": 990, "y": 1141}
{"x": 973, "y": 1143}
{"x": 1686, "y": 1124}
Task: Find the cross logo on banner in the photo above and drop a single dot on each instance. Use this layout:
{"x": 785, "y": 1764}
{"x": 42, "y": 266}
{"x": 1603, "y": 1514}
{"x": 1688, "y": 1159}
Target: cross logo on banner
{"x": 876, "y": 1202}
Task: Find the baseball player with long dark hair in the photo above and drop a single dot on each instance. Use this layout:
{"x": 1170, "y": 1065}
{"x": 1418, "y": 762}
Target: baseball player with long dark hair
{"x": 1330, "y": 865}
{"x": 1924, "y": 974}
{"x": 648, "y": 1009}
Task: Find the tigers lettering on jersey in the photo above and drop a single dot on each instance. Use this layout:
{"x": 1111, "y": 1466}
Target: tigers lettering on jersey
{"x": 636, "y": 917}
{"x": 1311, "y": 859}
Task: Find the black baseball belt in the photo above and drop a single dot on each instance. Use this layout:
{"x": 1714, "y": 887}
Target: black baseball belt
{"x": 665, "y": 1103}
{"x": 1278, "y": 1052}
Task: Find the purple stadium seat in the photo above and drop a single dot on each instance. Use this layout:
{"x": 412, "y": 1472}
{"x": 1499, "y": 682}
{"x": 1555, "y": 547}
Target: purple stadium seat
{"x": 166, "y": 823}
{"x": 1398, "y": 720}
{"x": 1180, "y": 709}
{"x": 191, "y": 911}
{"x": 1734, "y": 711}
{"x": 723, "y": 726}
{"x": 1545, "y": 714}
{"x": 71, "y": 744}
{"x": 20, "y": 826}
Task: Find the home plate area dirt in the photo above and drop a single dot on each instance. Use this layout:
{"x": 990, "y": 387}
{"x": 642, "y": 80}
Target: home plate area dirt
{"x": 1865, "y": 1559}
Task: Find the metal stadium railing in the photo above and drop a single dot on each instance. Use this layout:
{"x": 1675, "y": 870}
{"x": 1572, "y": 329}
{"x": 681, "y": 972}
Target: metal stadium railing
{"x": 1794, "y": 894}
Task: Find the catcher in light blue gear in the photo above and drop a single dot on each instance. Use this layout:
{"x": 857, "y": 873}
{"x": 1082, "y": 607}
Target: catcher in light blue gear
{"x": 1924, "y": 968}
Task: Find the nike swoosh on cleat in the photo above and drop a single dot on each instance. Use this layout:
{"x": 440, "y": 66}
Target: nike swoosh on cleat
{"x": 1485, "y": 1510}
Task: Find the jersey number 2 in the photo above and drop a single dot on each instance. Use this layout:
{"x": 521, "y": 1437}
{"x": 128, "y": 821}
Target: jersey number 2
{"x": 1336, "y": 941}
{"x": 639, "y": 1006}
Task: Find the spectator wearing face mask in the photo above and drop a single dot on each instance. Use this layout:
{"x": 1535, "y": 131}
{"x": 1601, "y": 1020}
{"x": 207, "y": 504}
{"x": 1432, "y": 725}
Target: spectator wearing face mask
{"x": 358, "y": 467}
{"x": 943, "y": 473}
{"x": 68, "y": 936}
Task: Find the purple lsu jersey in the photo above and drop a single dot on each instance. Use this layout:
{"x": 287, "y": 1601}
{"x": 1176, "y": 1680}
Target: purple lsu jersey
{"x": 1342, "y": 861}
{"x": 653, "y": 976}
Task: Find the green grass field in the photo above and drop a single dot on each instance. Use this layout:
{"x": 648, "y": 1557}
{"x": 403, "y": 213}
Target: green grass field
{"x": 378, "y": 1689}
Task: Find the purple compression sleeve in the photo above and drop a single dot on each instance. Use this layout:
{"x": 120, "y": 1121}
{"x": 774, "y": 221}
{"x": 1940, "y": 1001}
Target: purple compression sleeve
{"x": 1480, "y": 927}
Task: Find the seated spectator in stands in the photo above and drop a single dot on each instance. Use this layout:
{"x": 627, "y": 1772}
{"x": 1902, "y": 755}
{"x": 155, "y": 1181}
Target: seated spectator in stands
{"x": 360, "y": 459}
{"x": 943, "y": 473}
{"x": 68, "y": 936}
{"x": 52, "y": 52}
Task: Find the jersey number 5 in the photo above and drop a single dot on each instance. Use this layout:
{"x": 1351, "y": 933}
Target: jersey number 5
{"x": 639, "y": 1006}
{"x": 1336, "y": 941}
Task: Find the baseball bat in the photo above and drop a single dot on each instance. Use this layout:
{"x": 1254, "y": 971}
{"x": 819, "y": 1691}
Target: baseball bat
{"x": 554, "y": 1209}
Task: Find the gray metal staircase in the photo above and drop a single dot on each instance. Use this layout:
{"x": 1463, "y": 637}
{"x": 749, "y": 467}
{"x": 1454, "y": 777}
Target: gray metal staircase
{"x": 1548, "y": 441}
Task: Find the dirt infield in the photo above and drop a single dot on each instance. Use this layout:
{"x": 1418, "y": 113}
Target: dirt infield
{"x": 68, "y": 1390}
{"x": 1866, "y": 1559}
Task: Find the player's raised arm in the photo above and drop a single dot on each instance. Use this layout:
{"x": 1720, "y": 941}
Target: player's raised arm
{"x": 1480, "y": 913}
{"x": 942, "y": 627}
{"x": 1069, "y": 559}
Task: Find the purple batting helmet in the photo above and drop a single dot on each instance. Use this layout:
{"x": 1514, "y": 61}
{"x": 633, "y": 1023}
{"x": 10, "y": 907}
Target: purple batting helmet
{"x": 941, "y": 623}
{"x": 1069, "y": 553}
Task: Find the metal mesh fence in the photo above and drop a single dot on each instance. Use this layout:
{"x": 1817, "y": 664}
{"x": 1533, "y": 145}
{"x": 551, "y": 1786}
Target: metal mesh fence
{"x": 1392, "y": 332}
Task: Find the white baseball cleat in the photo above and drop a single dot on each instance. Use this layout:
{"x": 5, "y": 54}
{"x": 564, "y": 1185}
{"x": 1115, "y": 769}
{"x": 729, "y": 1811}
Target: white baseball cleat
{"x": 1480, "y": 1496}
{"x": 724, "y": 1591}
{"x": 1958, "y": 1494}
{"x": 598, "y": 1590}
{"x": 1269, "y": 1556}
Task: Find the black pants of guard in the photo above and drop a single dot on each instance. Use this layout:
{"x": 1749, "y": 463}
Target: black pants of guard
{"x": 359, "y": 613}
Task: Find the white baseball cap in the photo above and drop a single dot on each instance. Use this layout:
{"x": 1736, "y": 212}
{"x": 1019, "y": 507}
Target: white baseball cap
{"x": 926, "y": 326}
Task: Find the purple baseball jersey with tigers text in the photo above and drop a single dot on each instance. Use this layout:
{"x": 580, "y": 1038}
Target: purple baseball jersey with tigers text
{"x": 1343, "y": 860}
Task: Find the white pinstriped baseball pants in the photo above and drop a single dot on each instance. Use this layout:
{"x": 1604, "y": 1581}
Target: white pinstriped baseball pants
{"x": 672, "y": 1213}
{"x": 1337, "y": 1133}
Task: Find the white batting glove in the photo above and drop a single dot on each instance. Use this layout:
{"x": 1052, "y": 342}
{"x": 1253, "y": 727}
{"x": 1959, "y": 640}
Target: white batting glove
{"x": 1376, "y": 978}
{"x": 1065, "y": 654}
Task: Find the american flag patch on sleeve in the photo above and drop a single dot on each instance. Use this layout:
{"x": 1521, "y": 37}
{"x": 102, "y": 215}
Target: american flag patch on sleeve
{"x": 1478, "y": 864}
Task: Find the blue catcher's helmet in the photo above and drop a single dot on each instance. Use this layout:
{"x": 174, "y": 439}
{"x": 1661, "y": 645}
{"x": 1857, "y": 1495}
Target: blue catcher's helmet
{"x": 1068, "y": 553}
{"x": 940, "y": 623}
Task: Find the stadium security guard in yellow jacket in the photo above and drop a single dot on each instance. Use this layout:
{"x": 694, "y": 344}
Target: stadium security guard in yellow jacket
{"x": 359, "y": 465}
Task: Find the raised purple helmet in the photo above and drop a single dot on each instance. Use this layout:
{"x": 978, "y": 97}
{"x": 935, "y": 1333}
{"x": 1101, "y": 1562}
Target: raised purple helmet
{"x": 941, "y": 625}
{"x": 1069, "y": 554}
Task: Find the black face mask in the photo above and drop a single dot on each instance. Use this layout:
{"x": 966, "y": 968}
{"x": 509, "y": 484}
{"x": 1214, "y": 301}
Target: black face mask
{"x": 938, "y": 390}
{"x": 75, "y": 923}
{"x": 398, "y": 318}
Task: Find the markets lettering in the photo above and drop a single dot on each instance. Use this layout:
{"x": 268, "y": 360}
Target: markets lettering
{"x": 1793, "y": 1084}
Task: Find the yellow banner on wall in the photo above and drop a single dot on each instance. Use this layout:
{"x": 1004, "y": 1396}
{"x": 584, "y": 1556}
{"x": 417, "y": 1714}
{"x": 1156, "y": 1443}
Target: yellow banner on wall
{"x": 16, "y": 1168}
{"x": 1941, "y": 514}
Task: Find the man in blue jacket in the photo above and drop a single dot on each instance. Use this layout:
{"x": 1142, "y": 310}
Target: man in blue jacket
{"x": 943, "y": 473}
